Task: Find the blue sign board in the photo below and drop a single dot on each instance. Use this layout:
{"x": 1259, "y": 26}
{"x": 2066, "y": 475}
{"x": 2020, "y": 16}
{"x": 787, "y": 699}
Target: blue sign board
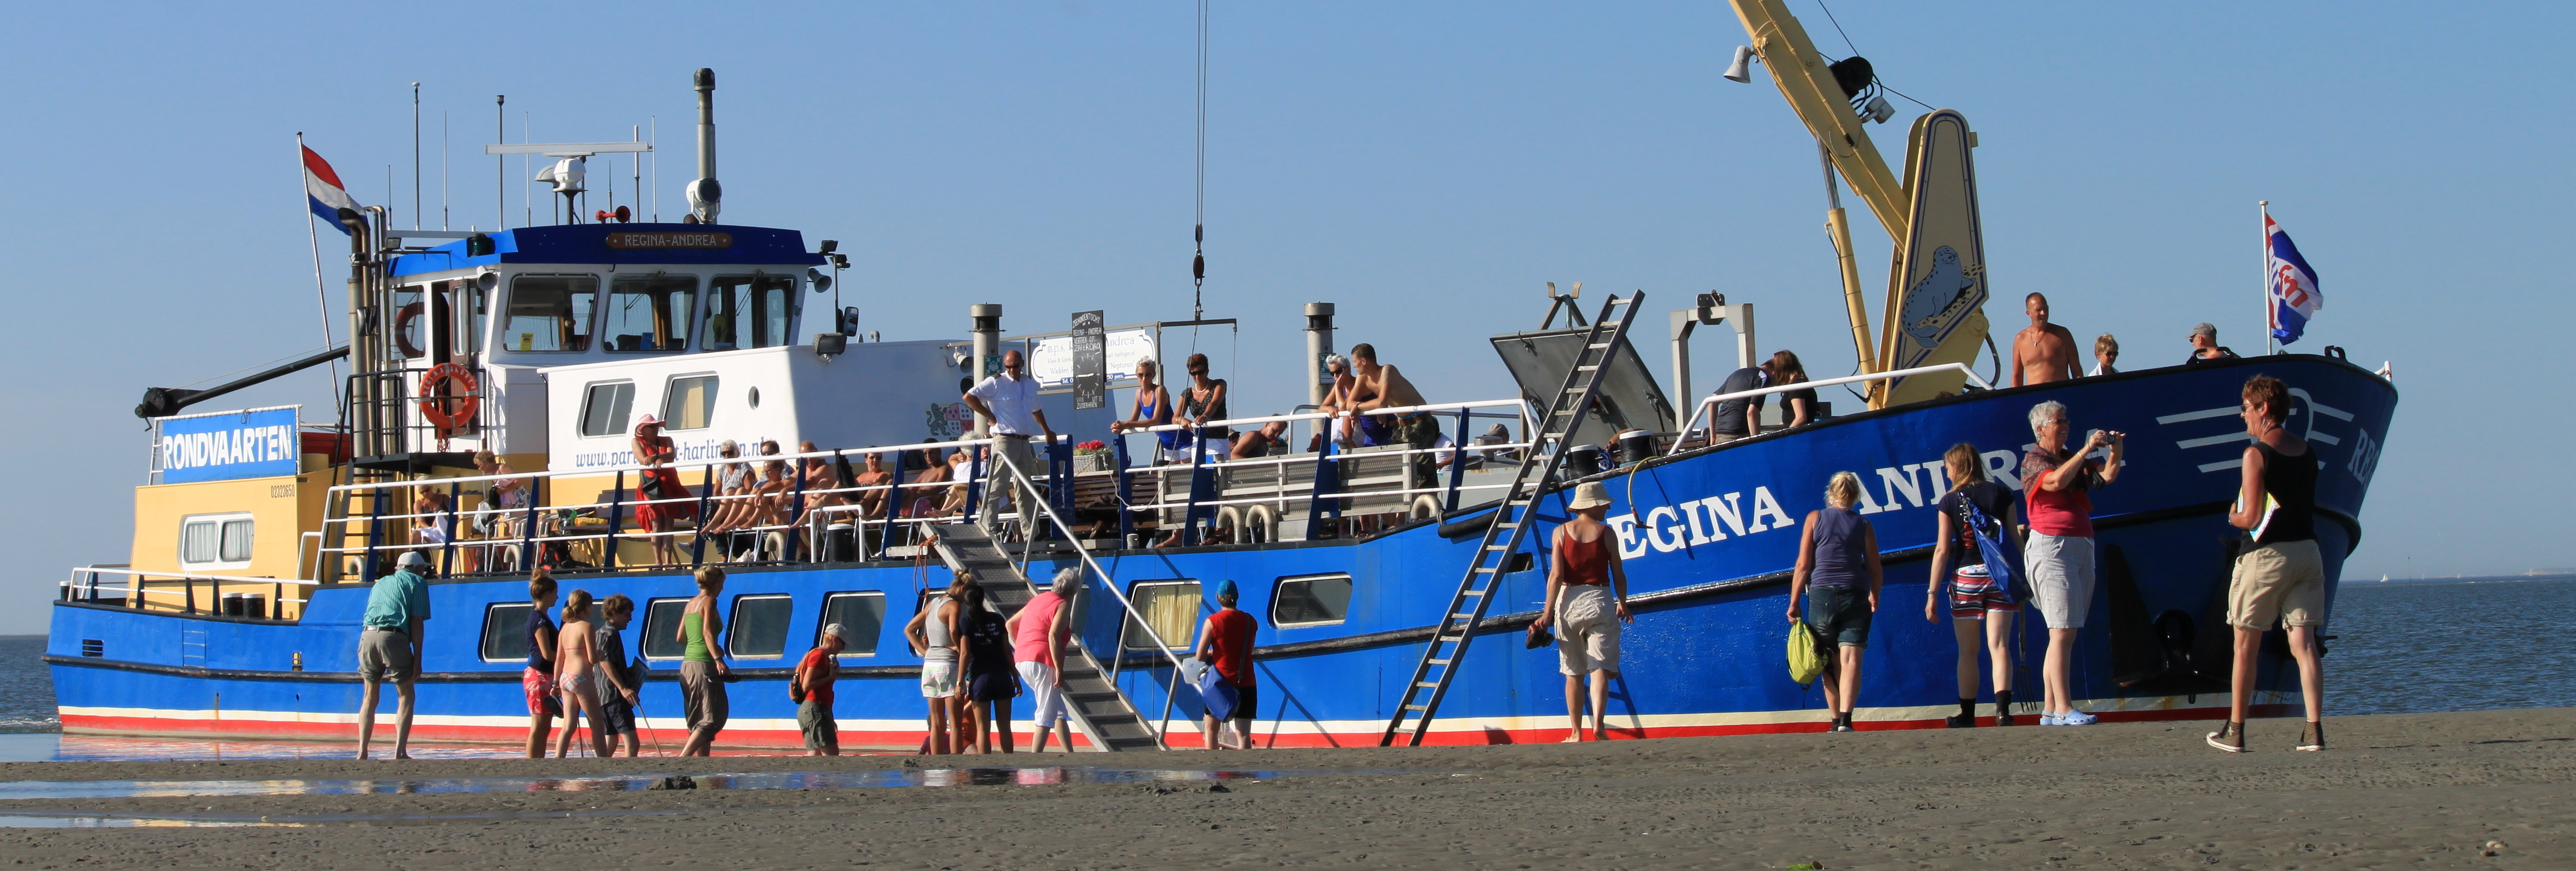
{"x": 226, "y": 445}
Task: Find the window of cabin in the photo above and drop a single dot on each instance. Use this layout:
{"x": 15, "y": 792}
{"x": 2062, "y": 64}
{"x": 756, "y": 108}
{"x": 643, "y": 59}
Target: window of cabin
{"x": 411, "y": 321}
{"x": 758, "y": 629}
{"x": 550, "y": 312}
{"x": 691, "y": 403}
{"x": 650, "y": 313}
{"x": 662, "y": 628}
{"x": 861, "y": 613}
{"x": 749, "y": 311}
{"x": 505, "y": 631}
{"x": 1170, "y": 607}
{"x": 215, "y": 541}
{"x": 1317, "y": 600}
{"x": 604, "y": 407}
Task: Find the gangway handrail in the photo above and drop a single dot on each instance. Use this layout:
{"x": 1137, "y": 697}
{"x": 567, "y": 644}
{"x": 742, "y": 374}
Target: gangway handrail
{"x": 1712, "y": 401}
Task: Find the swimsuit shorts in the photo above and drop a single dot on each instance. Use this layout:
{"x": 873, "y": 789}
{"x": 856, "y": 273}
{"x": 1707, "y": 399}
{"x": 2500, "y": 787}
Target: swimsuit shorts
{"x": 1971, "y": 596}
{"x": 540, "y": 687}
{"x": 938, "y": 679}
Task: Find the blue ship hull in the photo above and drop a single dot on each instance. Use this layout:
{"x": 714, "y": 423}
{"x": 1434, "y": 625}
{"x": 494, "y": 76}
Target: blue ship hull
{"x": 1709, "y": 536}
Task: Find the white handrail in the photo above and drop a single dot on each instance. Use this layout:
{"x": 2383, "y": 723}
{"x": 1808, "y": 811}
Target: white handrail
{"x": 1318, "y": 415}
{"x": 1030, "y": 488}
{"x": 195, "y": 576}
{"x": 1712, "y": 401}
{"x": 675, "y": 464}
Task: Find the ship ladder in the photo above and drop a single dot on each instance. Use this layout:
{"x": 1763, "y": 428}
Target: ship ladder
{"x": 1512, "y": 521}
{"x": 1092, "y": 699}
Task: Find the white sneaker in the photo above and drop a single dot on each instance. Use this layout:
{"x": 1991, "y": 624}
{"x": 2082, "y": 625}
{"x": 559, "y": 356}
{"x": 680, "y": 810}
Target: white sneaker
{"x": 2077, "y": 718}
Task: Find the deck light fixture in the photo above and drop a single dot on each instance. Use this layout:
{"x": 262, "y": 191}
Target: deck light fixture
{"x": 821, "y": 282}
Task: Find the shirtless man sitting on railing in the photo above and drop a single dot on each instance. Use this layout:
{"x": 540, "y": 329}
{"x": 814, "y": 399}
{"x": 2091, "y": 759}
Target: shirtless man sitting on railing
{"x": 1381, "y": 386}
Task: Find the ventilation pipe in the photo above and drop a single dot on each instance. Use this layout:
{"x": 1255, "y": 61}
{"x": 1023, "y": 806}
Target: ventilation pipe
{"x": 1319, "y": 342}
{"x": 706, "y": 196}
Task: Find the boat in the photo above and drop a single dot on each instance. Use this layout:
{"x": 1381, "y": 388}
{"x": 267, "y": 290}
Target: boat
{"x": 1390, "y": 583}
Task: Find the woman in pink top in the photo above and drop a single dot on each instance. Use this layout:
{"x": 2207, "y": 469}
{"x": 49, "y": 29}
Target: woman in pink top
{"x": 2058, "y": 553}
{"x": 1038, "y": 635}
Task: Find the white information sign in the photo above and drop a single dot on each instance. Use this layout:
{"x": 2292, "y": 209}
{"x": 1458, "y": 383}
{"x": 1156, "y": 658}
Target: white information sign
{"x": 1051, "y": 360}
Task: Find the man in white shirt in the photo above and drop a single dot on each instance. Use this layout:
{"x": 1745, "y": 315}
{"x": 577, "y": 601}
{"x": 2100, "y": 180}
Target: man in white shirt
{"x": 1009, "y": 403}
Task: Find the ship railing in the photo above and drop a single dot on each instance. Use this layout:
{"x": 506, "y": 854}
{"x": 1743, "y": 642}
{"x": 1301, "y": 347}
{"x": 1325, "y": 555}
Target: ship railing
{"x": 1202, "y": 493}
{"x": 134, "y": 589}
{"x": 391, "y": 414}
{"x": 520, "y": 530}
{"x": 1706, "y": 405}
{"x": 1106, "y": 581}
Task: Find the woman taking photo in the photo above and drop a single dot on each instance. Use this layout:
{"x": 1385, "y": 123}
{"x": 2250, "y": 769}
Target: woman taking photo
{"x": 1838, "y": 570}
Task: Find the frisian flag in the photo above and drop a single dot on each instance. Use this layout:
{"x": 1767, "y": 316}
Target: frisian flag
{"x": 323, "y": 188}
{"x": 2291, "y": 287}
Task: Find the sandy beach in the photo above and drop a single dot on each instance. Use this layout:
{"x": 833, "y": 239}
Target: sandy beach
{"x": 2410, "y": 790}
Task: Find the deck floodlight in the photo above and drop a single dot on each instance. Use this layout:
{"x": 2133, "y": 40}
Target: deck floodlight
{"x": 829, "y": 246}
{"x": 1742, "y": 69}
{"x": 1878, "y": 110}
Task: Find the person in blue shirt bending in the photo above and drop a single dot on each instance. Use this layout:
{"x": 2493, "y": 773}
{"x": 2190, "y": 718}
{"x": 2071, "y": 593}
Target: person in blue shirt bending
{"x": 389, "y": 646}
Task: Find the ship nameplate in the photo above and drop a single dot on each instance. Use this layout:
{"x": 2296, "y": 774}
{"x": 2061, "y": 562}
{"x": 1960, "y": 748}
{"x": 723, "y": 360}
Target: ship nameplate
{"x": 670, "y": 240}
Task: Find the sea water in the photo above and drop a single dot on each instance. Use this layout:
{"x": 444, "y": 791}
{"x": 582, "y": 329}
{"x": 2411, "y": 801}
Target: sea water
{"x": 2398, "y": 648}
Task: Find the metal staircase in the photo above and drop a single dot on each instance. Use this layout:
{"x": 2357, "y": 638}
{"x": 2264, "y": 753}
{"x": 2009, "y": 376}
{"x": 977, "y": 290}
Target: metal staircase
{"x": 1099, "y": 710}
{"x": 1511, "y": 524}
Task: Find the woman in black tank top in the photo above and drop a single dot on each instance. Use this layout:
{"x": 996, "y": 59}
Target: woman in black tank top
{"x": 2279, "y": 578}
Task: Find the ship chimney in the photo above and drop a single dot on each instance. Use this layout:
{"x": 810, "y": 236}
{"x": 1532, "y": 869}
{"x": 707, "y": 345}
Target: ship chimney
{"x": 706, "y": 196}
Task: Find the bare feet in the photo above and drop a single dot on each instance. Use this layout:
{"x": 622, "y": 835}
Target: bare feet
{"x": 1576, "y": 738}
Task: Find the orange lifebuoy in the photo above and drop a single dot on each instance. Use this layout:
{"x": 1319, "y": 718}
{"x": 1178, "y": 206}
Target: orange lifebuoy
{"x": 402, "y": 330}
{"x": 447, "y": 398}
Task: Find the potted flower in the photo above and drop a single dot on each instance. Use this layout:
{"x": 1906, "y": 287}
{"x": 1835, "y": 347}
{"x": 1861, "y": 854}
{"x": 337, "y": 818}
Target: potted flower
{"x": 1091, "y": 456}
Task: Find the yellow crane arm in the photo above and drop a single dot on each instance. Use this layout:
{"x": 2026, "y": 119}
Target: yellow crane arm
{"x": 1807, "y": 81}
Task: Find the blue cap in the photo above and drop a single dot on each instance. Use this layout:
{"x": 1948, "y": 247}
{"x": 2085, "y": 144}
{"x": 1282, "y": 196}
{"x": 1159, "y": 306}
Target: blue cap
{"x": 1226, "y": 590}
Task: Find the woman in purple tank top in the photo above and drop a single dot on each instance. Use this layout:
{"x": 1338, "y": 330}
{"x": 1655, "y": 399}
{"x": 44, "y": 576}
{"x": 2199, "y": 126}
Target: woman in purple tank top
{"x": 1838, "y": 569}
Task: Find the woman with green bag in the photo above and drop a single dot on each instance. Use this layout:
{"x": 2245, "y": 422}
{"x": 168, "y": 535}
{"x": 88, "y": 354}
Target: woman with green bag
{"x": 1838, "y": 569}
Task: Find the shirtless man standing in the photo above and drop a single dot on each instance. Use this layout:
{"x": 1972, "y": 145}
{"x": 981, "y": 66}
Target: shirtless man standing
{"x": 2043, "y": 352}
{"x": 1384, "y": 387}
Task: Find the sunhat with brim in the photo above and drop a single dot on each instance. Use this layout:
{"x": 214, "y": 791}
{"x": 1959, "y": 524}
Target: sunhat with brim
{"x": 1590, "y": 494}
{"x": 644, "y": 420}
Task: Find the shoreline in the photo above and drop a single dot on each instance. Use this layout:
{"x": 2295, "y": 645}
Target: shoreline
{"x": 2393, "y": 787}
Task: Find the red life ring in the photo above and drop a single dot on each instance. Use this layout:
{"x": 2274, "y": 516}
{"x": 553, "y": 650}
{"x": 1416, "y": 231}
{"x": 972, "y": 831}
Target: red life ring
{"x": 447, "y": 398}
{"x": 402, "y": 330}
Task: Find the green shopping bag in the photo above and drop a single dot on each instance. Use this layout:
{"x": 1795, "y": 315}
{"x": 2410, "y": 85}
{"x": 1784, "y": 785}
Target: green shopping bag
{"x": 1804, "y": 662}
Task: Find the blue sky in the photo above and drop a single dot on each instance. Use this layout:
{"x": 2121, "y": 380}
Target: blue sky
{"x": 1424, "y": 166}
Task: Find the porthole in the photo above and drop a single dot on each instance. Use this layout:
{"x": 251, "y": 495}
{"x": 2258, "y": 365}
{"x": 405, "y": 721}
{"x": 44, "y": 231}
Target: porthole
{"x": 754, "y": 395}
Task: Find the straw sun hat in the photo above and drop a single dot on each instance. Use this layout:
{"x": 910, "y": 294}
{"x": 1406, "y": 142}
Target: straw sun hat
{"x": 1589, "y": 494}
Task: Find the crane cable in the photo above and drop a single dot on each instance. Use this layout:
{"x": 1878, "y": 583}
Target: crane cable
{"x": 1198, "y": 258}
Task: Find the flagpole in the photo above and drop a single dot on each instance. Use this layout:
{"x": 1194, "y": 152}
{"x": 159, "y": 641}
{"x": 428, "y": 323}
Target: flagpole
{"x": 2266, "y": 206}
{"x": 321, "y": 297}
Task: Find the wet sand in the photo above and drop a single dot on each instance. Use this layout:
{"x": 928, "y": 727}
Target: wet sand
{"x": 2414, "y": 790}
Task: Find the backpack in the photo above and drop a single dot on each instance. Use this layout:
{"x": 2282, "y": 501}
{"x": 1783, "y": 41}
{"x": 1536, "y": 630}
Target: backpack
{"x": 2001, "y": 562}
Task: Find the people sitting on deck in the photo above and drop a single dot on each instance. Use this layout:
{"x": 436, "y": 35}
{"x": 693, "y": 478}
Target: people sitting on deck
{"x": 961, "y": 476}
{"x": 921, "y": 498}
{"x": 1260, "y": 442}
{"x": 873, "y": 474}
{"x": 429, "y": 527}
{"x": 1382, "y": 386}
{"x": 2205, "y": 346}
{"x": 2106, "y": 352}
{"x": 1154, "y": 408}
{"x": 505, "y": 505}
{"x": 2042, "y": 352}
{"x": 733, "y": 487}
{"x": 1203, "y": 401}
{"x": 1797, "y": 407}
{"x": 822, "y": 480}
{"x": 1337, "y": 399}
{"x": 655, "y": 489}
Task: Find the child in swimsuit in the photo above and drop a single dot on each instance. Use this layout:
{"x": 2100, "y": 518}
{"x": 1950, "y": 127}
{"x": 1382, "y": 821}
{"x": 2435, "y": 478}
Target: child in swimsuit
{"x": 575, "y": 652}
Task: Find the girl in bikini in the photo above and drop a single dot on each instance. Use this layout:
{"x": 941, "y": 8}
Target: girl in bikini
{"x": 575, "y": 653}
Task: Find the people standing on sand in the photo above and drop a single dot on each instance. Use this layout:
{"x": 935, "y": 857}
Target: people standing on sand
{"x": 703, "y": 672}
{"x": 1587, "y": 599}
{"x": 619, "y": 686}
{"x": 1838, "y": 569}
{"x": 2205, "y": 347}
{"x": 538, "y": 679}
{"x": 576, "y": 652}
{"x": 934, "y": 635}
{"x": 1381, "y": 386}
{"x": 1980, "y": 604}
{"x": 389, "y": 647}
{"x": 1225, "y": 644}
{"x": 2106, "y": 356}
{"x": 2058, "y": 507}
{"x": 2282, "y": 577}
{"x": 1039, "y": 633}
{"x": 990, "y": 677}
{"x": 811, "y": 689}
{"x": 2042, "y": 352}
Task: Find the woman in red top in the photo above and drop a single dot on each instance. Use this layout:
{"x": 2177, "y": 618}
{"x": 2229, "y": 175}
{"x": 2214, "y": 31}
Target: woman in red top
{"x": 658, "y": 481}
{"x": 1225, "y": 644}
{"x": 1586, "y": 589}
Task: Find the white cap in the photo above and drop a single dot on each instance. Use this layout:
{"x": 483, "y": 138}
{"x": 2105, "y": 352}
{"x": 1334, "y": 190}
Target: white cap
{"x": 412, "y": 558}
{"x": 839, "y": 631}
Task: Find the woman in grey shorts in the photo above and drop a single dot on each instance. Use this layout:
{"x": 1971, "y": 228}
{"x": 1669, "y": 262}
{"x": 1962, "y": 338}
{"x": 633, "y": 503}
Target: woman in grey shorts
{"x": 2057, "y": 484}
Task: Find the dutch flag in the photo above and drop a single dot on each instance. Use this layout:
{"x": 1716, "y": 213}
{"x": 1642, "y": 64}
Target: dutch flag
{"x": 322, "y": 187}
{"x": 2292, "y": 286}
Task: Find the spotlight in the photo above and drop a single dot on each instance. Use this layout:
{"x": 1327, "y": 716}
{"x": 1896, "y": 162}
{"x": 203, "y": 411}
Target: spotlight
{"x": 1742, "y": 69}
{"x": 1878, "y": 110}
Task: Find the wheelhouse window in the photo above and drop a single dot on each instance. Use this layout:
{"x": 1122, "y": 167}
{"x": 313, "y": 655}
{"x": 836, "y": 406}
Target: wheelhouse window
{"x": 550, "y": 312}
{"x": 662, "y": 628}
{"x": 759, "y": 626}
{"x": 1170, "y": 607}
{"x": 650, "y": 313}
{"x": 749, "y": 311}
{"x": 505, "y": 631}
{"x": 604, "y": 408}
{"x": 1319, "y": 600}
{"x": 411, "y": 320}
{"x": 215, "y": 541}
{"x": 861, "y": 613}
{"x": 691, "y": 403}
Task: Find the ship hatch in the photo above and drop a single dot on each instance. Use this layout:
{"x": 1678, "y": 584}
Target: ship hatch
{"x": 1629, "y": 398}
